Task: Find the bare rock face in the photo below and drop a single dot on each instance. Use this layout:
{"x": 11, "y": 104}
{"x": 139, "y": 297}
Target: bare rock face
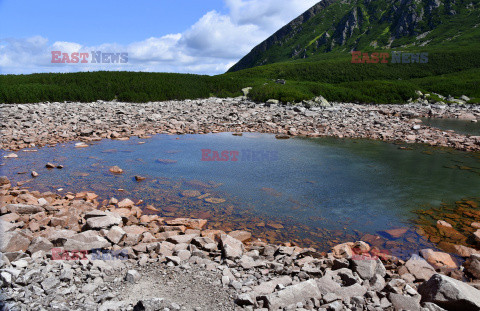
{"x": 450, "y": 294}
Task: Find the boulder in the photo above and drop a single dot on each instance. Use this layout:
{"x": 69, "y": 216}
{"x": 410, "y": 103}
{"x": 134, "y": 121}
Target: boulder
{"x": 10, "y": 217}
{"x": 438, "y": 259}
{"x": 59, "y": 237}
{"x": 132, "y": 276}
{"x": 6, "y": 227}
{"x": 266, "y": 288}
{"x": 464, "y": 251}
{"x": 367, "y": 268}
{"x": 476, "y": 236}
{"x": 343, "y": 250}
{"x": 419, "y": 268}
{"x": 231, "y": 247}
{"x": 14, "y": 241}
{"x": 125, "y": 203}
{"x": 450, "y": 294}
{"x": 241, "y": 235}
{"x": 292, "y": 295}
{"x": 24, "y": 208}
{"x": 115, "y": 234}
{"x": 116, "y": 170}
{"x": 400, "y": 232}
{"x": 40, "y": 244}
{"x": 403, "y": 302}
{"x": 85, "y": 241}
{"x": 472, "y": 265}
{"x": 104, "y": 222}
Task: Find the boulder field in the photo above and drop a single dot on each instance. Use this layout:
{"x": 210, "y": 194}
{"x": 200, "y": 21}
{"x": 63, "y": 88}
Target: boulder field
{"x": 35, "y": 125}
{"x": 66, "y": 252}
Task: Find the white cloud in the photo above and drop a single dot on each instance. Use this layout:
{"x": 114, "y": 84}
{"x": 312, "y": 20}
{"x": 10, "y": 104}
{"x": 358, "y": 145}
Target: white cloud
{"x": 210, "y": 46}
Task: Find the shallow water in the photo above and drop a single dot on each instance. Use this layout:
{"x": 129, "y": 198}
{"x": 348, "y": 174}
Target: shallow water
{"x": 321, "y": 190}
{"x": 459, "y": 126}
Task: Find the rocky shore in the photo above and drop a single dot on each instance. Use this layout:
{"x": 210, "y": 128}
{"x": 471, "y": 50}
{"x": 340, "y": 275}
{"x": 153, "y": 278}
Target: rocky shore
{"x": 35, "y": 125}
{"x": 147, "y": 262}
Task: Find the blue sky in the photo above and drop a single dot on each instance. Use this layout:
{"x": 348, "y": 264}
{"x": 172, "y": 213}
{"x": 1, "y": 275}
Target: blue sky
{"x": 195, "y": 36}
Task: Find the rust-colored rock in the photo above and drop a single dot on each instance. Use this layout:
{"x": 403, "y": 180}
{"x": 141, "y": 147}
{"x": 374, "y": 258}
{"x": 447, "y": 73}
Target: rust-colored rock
{"x": 187, "y": 222}
{"x": 125, "y": 203}
{"x": 395, "y": 233}
{"x": 241, "y": 235}
{"x": 438, "y": 259}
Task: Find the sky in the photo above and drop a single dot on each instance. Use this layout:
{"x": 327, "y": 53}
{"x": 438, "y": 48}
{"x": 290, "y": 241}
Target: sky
{"x": 186, "y": 36}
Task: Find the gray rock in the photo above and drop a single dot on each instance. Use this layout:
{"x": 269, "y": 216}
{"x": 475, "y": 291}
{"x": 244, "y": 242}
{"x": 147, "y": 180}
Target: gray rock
{"x": 132, "y": 276}
{"x": 6, "y": 226}
{"x": 231, "y": 247}
{"x": 293, "y": 294}
{"x": 14, "y": 241}
{"x": 24, "y": 208}
{"x": 450, "y": 294}
{"x": 419, "y": 268}
{"x": 244, "y": 300}
{"x": 104, "y": 222}
{"x": 59, "y": 237}
{"x": 402, "y": 302}
{"x": 266, "y": 288}
{"x": 179, "y": 239}
{"x": 50, "y": 283}
{"x": 40, "y": 244}
{"x": 89, "y": 288}
{"x": 367, "y": 269}
{"x": 115, "y": 234}
{"x": 86, "y": 241}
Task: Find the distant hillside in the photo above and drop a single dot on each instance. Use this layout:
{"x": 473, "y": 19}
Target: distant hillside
{"x": 346, "y": 25}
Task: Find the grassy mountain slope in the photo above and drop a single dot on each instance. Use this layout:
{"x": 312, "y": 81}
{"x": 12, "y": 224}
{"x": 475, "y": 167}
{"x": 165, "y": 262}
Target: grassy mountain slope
{"x": 346, "y": 25}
